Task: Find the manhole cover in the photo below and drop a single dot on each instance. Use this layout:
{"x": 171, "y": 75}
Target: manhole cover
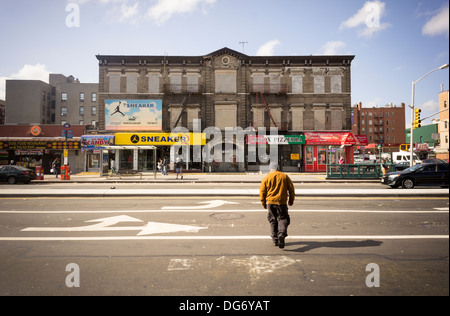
{"x": 440, "y": 227}
{"x": 226, "y": 216}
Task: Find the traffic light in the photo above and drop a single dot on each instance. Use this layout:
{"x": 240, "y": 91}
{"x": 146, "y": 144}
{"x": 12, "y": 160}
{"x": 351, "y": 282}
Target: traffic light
{"x": 417, "y": 120}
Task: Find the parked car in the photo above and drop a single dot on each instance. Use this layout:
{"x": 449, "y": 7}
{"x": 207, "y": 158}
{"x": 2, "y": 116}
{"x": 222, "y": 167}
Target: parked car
{"x": 13, "y": 174}
{"x": 402, "y": 165}
{"x": 422, "y": 174}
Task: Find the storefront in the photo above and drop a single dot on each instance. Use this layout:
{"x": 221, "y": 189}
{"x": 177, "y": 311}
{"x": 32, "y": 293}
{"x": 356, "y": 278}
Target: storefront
{"x": 289, "y": 151}
{"x": 92, "y": 146}
{"x": 141, "y": 151}
{"x": 322, "y": 148}
{"x": 30, "y": 153}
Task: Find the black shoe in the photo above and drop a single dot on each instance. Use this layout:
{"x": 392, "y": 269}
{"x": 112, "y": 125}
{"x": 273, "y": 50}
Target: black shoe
{"x": 281, "y": 242}
{"x": 275, "y": 243}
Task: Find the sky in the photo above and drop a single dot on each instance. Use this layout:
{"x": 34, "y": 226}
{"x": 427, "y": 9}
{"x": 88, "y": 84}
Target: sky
{"x": 395, "y": 42}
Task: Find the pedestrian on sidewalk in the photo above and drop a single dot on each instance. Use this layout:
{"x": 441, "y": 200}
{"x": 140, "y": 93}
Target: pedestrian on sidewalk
{"x": 178, "y": 167}
{"x": 56, "y": 164}
{"x": 164, "y": 166}
{"x": 113, "y": 168}
{"x": 276, "y": 193}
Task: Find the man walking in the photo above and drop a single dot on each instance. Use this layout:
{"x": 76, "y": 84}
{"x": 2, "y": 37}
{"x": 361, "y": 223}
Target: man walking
{"x": 276, "y": 188}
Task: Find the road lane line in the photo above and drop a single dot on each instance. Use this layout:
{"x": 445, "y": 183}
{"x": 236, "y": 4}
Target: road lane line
{"x": 179, "y": 238}
{"x": 434, "y": 211}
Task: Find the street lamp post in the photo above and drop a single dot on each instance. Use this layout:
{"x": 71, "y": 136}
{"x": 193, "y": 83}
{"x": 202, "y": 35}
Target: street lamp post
{"x": 411, "y": 148}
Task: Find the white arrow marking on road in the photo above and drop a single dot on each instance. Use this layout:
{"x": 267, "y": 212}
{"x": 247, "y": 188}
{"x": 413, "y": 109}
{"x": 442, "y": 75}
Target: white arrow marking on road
{"x": 162, "y": 228}
{"x": 209, "y": 204}
{"x": 105, "y": 223}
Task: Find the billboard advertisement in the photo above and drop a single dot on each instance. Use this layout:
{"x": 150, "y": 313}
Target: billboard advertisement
{"x": 125, "y": 115}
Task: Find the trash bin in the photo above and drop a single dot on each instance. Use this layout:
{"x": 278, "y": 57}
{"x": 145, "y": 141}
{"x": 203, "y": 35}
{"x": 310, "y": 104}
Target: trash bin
{"x": 63, "y": 172}
{"x": 39, "y": 173}
{"x": 67, "y": 173}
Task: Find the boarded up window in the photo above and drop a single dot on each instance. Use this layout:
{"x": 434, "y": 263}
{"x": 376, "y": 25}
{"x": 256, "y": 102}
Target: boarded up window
{"x": 225, "y": 81}
{"x": 258, "y": 82}
{"x": 153, "y": 83}
{"x": 192, "y": 83}
{"x": 132, "y": 83}
{"x": 319, "y": 84}
{"x": 297, "y": 84}
{"x": 114, "y": 83}
{"x": 336, "y": 84}
{"x": 175, "y": 83}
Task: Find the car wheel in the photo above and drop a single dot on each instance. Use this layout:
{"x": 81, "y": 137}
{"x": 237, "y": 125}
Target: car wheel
{"x": 408, "y": 183}
{"x": 12, "y": 180}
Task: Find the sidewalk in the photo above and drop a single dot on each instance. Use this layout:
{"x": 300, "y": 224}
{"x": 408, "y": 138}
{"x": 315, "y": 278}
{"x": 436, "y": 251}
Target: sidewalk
{"x": 197, "y": 178}
{"x": 36, "y": 190}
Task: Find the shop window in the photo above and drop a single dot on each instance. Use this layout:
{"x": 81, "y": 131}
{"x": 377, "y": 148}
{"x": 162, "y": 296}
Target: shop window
{"x": 322, "y": 155}
{"x": 309, "y": 155}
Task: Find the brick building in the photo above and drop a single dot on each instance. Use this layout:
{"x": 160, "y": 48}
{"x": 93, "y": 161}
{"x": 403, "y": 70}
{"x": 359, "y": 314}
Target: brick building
{"x": 296, "y": 95}
{"x": 382, "y": 125}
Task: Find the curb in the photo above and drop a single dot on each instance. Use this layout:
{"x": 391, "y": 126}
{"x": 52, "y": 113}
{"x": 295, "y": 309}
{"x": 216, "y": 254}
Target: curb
{"x": 336, "y": 193}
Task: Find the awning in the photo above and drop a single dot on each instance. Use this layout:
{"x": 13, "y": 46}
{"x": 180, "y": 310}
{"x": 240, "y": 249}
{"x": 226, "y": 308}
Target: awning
{"x": 330, "y": 138}
{"x": 130, "y": 147}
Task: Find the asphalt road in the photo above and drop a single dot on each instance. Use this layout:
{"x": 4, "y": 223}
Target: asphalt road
{"x": 202, "y": 247}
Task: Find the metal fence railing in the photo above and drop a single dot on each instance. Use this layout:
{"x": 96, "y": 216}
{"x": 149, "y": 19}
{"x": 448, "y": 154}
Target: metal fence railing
{"x": 365, "y": 171}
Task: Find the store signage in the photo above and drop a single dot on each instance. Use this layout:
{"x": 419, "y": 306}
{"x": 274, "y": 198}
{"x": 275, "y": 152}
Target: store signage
{"x": 92, "y": 142}
{"x": 38, "y": 145}
{"x": 275, "y": 139}
{"x": 330, "y": 138}
{"x": 422, "y": 146}
{"x": 361, "y": 140}
{"x": 126, "y": 115}
{"x": 160, "y": 139}
{"x": 36, "y": 131}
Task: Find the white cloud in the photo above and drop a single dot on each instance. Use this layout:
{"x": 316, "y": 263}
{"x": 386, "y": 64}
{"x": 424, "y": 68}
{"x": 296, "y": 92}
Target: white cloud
{"x": 438, "y": 24}
{"x": 268, "y": 49}
{"x": 431, "y": 105}
{"x": 367, "y": 19}
{"x": 163, "y": 10}
{"x": 331, "y": 48}
{"x": 124, "y": 13}
{"x": 27, "y": 72}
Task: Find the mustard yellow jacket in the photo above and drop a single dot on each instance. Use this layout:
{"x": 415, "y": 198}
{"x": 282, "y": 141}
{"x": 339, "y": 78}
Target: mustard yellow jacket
{"x": 275, "y": 188}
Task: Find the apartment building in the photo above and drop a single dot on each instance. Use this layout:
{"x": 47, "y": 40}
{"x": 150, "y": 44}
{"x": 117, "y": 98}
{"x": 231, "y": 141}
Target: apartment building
{"x": 62, "y": 100}
{"x": 382, "y": 125}
{"x": 296, "y": 95}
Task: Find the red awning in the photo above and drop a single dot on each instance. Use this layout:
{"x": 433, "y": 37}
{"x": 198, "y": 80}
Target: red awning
{"x": 330, "y": 138}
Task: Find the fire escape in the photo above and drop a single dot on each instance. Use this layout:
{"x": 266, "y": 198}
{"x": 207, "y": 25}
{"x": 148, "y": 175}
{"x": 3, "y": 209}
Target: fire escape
{"x": 260, "y": 90}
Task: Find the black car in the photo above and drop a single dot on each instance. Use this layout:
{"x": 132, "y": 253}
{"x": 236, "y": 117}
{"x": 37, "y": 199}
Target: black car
{"x": 14, "y": 174}
{"x": 421, "y": 174}
{"x": 402, "y": 165}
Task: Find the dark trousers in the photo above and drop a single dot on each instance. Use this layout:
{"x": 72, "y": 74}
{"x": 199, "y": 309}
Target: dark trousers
{"x": 279, "y": 220}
